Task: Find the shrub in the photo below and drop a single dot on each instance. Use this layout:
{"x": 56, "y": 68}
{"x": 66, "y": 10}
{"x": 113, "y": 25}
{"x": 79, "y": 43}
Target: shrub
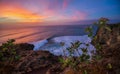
{"x": 72, "y": 61}
{"x": 82, "y": 61}
{"x": 8, "y": 52}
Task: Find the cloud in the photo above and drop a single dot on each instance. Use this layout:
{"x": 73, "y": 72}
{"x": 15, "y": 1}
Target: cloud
{"x": 65, "y": 3}
{"x": 40, "y": 11}
{"x": 20, "y": 14}
{"x": 79, "y": 15}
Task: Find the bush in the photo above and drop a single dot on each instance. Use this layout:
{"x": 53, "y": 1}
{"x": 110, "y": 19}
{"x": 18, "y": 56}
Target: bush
{"x": 82, "y": 62}
{"x": 8, "y": 53}
{"x": 72, "y": 61}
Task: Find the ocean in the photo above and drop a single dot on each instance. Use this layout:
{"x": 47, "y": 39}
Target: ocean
{"x": 27, "y": 34}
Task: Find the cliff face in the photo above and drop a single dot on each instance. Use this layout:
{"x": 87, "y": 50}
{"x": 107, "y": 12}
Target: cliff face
{"x": 106, "y": 37}
{"x": 29, "y": 60}
{"x": 110, "y": 47}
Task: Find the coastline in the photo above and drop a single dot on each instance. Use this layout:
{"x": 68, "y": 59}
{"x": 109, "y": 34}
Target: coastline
{"x": 32, "y": 61}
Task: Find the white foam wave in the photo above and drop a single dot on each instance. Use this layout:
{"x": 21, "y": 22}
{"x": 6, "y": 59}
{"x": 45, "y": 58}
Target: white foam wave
{"x": 56, "y": 48}
{"x": 38, "y": 44}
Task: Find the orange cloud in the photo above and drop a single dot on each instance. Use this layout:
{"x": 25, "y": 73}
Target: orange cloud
{"x": 20, "y": 14}
{"x": 16, "y": 13}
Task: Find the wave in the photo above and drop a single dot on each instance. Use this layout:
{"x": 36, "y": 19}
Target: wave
{"x": 38, "y": 44}
{"x": 53, "y": 44}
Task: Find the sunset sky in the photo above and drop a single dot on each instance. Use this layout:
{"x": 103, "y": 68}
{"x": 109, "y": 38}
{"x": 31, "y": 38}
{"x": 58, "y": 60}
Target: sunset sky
{"x": 57, "y": 10}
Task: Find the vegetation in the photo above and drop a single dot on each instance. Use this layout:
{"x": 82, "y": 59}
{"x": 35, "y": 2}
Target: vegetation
{"x": 8, "y": 54}
{"x": 83, "y": 63}
{"x": 70, "y": 60}
{"x": 102, "y": 61}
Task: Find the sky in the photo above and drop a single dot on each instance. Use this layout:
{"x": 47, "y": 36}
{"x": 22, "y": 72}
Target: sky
{"x": 55, "y": 11}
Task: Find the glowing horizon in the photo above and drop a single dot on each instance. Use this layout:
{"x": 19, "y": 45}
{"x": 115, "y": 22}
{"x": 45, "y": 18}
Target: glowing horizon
{"x": 56, "y": 10}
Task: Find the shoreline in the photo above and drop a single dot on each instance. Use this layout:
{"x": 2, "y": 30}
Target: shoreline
{"x": 33, "y": 61}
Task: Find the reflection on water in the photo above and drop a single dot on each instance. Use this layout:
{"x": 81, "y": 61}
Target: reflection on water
{"x": 35, "y": 33}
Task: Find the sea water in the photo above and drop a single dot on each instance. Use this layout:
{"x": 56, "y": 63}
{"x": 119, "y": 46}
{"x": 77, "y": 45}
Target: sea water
{"x": 41, "y": 36}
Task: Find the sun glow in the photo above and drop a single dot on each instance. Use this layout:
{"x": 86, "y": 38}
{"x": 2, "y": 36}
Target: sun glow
{"x": 20, "y": 15}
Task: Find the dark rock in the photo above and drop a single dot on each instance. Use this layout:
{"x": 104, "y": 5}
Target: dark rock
{"x": 34, "y": 60}
{"x": 112, "y": 55}
{"x": 110, "y": 47}
{"x": 106, "y": 37}
{"x": 24, "y": 46}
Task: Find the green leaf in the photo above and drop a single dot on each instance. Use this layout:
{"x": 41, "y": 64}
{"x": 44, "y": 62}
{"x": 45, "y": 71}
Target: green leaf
{"x": 87, "y": 56}
{"x": 61, "y": 60}
{"x": 4, "y": 49}
{"x": 101, "y": 22}
{"x": 14, "y": 52}
{"x": 17, "y": 57}
{"x": 98, "y": 47}
{"x": 95, "y": 37}
{"x": 1, "y": 54}
{"x": 109, "y": 66}
{"x": 88, "y": 29}
{"x": 85, "y": 72}
{"x": 108, "y": 28}
{"x": 90, "y": 34}
{"x": 98, "y": 57}
{"x": 84, "y": 50}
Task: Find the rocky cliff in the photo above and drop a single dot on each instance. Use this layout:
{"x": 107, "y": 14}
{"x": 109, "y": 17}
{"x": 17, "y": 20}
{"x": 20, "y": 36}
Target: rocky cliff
{"x": 106, "y": 37}
{"x": 43, "y": 62}
{"x": 109, "y": 41}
